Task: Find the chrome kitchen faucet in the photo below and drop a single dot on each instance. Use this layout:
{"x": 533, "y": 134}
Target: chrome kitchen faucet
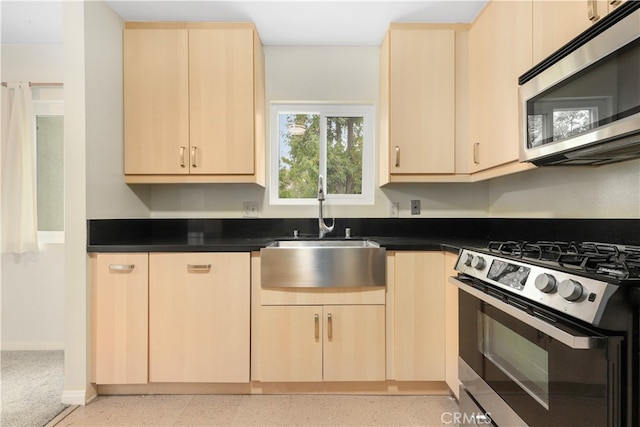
{"x": 323, "y": 228}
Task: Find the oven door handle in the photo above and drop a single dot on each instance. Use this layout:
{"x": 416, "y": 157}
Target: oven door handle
{"x": 575, "y": 341}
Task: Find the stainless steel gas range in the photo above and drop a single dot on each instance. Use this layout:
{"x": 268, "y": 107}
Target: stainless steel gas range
{"x": 549, "y": 334}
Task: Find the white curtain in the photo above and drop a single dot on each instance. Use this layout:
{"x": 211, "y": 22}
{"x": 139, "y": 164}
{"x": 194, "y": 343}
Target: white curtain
{"x": 18, "y": 171}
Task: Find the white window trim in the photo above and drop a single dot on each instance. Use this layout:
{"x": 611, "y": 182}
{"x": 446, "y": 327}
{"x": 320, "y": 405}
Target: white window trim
{"x": 48, "y": 108}
{"x": 326, "y": 109}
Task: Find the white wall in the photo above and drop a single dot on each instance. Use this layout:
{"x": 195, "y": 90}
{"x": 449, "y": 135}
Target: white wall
{"x": 32, "y": 285}
{"x": 76, "y": 385}
{"x": 330, "y": 74}
{"x": 33, "y": 299}
{"x": 32, "y": 63}
{"x": 107, "y": 194}
{"x": 611, "y": 191}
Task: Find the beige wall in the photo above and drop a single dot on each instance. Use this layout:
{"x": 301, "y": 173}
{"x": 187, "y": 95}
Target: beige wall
{"x": 611, "y": 191}
{"x": 32, "y": 63}
{"x": 76, "y": 388}
{"x": 32, "y": 285}
{"x": 107, "y": 194}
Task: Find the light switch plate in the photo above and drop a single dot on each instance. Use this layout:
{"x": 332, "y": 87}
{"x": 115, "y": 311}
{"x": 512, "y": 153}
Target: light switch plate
{"x": 394, "y": 209}
{"x": 250, "y": 209}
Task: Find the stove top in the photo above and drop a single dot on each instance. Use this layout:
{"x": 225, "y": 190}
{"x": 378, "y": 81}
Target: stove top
{"x": 587, "y": 281}
{"x": 608, "y": 262}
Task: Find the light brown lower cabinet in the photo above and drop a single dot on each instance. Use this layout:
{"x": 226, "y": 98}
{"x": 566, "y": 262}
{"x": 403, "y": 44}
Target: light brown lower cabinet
{"x": 199, "y": 317}
{"x": 119, "y": 317}
{"x": 451, "y": 325}
{"x": 307, "y": 343}
{"x": 419, "y": 311}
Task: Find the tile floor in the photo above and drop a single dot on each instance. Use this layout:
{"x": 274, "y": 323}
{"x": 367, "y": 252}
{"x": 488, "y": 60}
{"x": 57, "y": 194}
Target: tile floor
{"x": 263, "y": 410}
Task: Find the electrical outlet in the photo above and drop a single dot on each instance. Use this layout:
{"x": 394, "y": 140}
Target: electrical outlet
{"x": 394, "y": 209}
{"x": 415, "y": 207}
{"x": 249, "y": 209}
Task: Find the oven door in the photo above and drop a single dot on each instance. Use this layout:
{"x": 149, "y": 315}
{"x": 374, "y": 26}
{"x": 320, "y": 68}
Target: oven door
{"x": 525, "y": 370}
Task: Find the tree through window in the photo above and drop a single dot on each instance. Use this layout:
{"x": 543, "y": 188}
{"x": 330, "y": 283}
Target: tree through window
{"x": 333, "y": 141}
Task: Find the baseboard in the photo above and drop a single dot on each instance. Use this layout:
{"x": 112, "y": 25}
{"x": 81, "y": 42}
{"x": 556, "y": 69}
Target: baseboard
{"x": 76, "y": 397}
{"x": 32, "y": 345}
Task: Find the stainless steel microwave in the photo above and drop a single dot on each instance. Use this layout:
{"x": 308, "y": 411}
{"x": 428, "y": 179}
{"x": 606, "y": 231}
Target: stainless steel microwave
{"x": 581, "y": 106}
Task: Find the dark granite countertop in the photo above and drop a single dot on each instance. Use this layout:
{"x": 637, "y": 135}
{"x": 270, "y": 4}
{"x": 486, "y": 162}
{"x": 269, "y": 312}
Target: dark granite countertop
{"x": 184, "y": 245}
{"x": 421, "y": 234}
{"x": 255, "y": 244}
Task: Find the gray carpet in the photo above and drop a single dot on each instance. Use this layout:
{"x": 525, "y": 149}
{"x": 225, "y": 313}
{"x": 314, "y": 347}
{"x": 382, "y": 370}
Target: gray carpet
{"x": 32, "y": 383}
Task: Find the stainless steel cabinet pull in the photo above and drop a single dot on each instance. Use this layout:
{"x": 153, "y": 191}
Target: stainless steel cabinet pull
{"x": 592, "y": 10}
{"x": 121, "y": 267}
{"x": 397, "y": 156}
{"x": 183, "y": 164}
{"x": 317, "y": 325}
{"x": 329, "y": 327}
{"x": 198, "y": 266}
{"x": 476, "y": 149}
{"x": 194, "y": 161}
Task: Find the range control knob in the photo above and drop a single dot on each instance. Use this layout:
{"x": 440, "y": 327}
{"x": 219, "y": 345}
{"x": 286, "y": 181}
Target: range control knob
{"x": 546, "y": 283}
{"x": 468, "y": 259}
{"x": 478, "y": 263}
{"x": 570, "y": 290}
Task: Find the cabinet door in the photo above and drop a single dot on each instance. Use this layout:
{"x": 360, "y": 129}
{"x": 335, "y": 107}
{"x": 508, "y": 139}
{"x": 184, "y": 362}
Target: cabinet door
{"x": 555, "y": 23}
{"x": 451, "y": 326}
{"x": 291, "y": 343}
{"x": 499, "y": 52}
{"x": 199, "y": 317}
{"x": 221, "y": 91}
{"x": 422, "y": 92}
{"x": 121, "y": 318}
{"x": 354, "y": 343}
{"x": 156, "y": 101}
{"x": 419, "y": 328}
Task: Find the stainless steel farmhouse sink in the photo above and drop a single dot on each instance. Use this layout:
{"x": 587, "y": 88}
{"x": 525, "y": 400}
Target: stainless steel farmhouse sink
{"x": 322, "y": 263}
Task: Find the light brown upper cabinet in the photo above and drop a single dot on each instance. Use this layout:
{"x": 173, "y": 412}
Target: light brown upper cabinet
{"x": 193, "y": 103}
{"x": 555, "y": 22}
{"x": 417, "y": 110}
{"x": 499, "y": 52}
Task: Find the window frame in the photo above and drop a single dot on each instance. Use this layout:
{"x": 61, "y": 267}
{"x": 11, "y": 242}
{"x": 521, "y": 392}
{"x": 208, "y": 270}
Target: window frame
{"x": 47, "y": 107}
{"x": 366, "y": 111}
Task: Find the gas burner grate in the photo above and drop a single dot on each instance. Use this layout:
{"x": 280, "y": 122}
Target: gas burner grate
{"x": 617, "y": 261}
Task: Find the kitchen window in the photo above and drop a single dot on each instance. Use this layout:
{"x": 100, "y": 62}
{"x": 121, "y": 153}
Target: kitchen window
{"x": 332, "y": 140}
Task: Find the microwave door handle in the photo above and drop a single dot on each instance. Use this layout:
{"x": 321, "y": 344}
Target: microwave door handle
{"x": 576, "y": 342}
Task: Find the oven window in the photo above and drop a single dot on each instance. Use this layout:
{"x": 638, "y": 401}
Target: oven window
{"x": 521, "y": 360}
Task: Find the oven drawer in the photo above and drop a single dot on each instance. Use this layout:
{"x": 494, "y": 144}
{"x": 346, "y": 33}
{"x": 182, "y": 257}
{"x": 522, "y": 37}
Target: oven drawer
{"x": 470, "y": 413}
{"x": 486, "y": 401}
